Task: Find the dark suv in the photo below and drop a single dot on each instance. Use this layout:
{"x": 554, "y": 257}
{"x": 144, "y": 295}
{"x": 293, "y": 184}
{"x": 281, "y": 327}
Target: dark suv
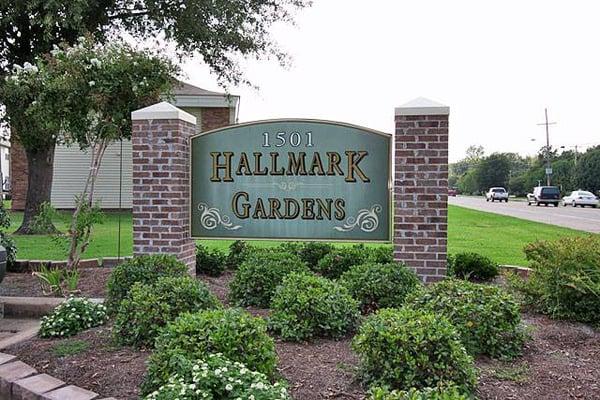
{"x": 544, "y": 195}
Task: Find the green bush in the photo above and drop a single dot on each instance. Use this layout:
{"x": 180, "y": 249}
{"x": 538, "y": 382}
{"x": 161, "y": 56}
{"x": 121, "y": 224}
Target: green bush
{"x": 379, "y": 285}
{"x": 232, "y": 332}
{"x": 380, "y": 254}
{"x": 565, "y": 278}
{"x": 209, "y": 262}
{"x": 472, "y": 266}
{"x": 487, "y": 318}
{"x": 144, "y": 269}
{"x": 215, "y": 377}
{"x": 309, "y": 252}
{"x": 307, "y": 306}
{"x": 149, "y": 307}
{"x": 437, "y": 393}
{"x": 257, "y": 278}
{"x": 237, "y": 254}
{"x": 406, "y": 348}
{"x": 71, "y": 317}
{"x": 341, "y": 259}
{"x": 6, "y": 241}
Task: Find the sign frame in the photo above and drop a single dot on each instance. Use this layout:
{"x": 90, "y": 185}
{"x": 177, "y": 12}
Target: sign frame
{"x": 390, "y": 183}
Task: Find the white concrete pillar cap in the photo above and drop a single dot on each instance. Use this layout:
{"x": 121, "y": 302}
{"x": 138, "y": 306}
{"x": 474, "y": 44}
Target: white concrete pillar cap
{"x": 422, "y": 106}
{"x": 162, "y": 110}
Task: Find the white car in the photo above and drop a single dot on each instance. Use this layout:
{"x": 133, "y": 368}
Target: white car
{"x": 580, "y": 198}
{"x": 496, "y": 193}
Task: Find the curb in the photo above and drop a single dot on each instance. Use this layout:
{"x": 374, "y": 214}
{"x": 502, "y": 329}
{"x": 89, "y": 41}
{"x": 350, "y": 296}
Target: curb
{"x": 32, "y": 307}
{"x": 19, "y": 381}
{"x": 523, "y": 272}
{"x": 33, "y": 265}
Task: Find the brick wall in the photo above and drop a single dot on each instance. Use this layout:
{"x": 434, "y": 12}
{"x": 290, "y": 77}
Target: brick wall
{"x": 161, "y": 197}
{"x": 213, "y": 118}
{"x": 421, "y": 193}
{"x": 18, "y": 176}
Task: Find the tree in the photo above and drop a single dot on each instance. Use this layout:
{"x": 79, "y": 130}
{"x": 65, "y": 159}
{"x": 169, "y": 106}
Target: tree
{"x": 587, "y": 175}
{"x": 493, "y": 170}
{"x": 219, "y": 31}
{"x": 94, "y": 89}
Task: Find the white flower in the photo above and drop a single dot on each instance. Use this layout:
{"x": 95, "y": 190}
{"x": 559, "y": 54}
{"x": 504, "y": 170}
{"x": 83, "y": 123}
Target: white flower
{"x": 91, "y": 83}
{"x": 228, "y": 387}
{"x": 95, "y": 62}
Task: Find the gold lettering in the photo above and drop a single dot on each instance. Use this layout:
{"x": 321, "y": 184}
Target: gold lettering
{"x": 244, "y": 164}
{"x": 288, "y": 203}
{"x": 296, "y": 166}
{"x": 353, "y": 166}
{"x": 259, "y": 210}
{"x": 245, "y": 206}
{"x": 334, "y": 163}
{"x": 316, "y": 165}
{"x": 340, "y": 209}
{"x": 274, "y": 205}
{"x": 324, "y": 207}
{"x": 257, "y": 170}
{"x": 274, "y": 170}
{"x": 216, "y": 166}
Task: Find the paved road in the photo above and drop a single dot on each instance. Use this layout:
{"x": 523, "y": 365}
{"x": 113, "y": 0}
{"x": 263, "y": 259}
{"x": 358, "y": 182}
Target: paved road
{"x": 584, "y": 219}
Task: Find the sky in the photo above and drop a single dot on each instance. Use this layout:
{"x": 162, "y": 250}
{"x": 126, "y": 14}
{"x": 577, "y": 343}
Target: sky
{"x": 496, "y": 64}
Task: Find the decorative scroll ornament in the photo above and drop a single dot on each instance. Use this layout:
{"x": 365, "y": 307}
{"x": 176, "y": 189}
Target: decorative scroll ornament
{"x": 211, "y": 217}
{"x": 365, "y": 220}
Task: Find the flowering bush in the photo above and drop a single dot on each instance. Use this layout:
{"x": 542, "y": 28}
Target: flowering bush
{"x": 149, "y": 307}
{"x": 487, "y": 317}
{"x": 406, "y": 348}
{"x": 71, "y": 317}
{"x": 216, "y": 377}
{"x": 233, "y": 332}
{"x": 259, "y": 275}
{"x": 307, "y": 306}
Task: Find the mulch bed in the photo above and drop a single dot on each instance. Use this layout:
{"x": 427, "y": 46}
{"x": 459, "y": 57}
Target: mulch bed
{"x": 92, "y": 283}
{"x": 562, "y": 361}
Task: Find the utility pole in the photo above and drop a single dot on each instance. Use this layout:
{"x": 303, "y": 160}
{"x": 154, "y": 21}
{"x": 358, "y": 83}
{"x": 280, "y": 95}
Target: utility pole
{"x": 548, "y": 164}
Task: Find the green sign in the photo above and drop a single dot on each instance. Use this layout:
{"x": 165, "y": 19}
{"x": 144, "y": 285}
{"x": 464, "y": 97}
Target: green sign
{"x": 291, "y": 179}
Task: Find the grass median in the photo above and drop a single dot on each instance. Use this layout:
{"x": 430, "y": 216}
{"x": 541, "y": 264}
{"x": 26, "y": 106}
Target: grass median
{"x": 499, "y": 237}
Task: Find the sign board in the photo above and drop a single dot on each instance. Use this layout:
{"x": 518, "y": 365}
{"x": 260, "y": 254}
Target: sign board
{"x": 291, "y": 180}
{"x": 548, "y": 171}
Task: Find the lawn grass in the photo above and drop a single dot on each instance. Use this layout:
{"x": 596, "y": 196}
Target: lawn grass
{"x": 499, "y": 237}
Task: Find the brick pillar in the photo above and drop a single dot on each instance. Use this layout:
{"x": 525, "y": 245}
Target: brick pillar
{"x": 161, "y": 182}
{"x": 421, "y": 188}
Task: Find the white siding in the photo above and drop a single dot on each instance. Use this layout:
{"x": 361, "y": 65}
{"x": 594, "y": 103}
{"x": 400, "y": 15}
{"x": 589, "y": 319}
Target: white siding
{"x": 71, "y": 166}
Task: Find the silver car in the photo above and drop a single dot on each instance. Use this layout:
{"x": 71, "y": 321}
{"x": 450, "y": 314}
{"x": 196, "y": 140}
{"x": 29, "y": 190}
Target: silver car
{"x": 580, "y": 198}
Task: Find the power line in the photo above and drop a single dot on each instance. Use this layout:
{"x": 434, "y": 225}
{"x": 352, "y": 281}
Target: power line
{"x": 548, "y": 165}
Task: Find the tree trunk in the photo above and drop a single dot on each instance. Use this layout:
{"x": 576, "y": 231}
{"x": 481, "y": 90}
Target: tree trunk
{"x": 39, "y": 186}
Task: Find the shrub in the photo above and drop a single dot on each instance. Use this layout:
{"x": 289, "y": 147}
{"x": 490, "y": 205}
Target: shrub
{"x": 257, "y": 278}
{"x": 209, "y": 262}
{"x": 215, "y": 377}
{"x": 232, "y": 332}
{"x": 307, "y": 306}
{"x": 472, "y": 266}
{"x": 237, "y": 254}
{"x": 144, "y": 269}
{"x": 379, "y": 285}
{"x": 71, "y": 317}
{"x": 405, "y": 348}
{"x": 339, "y": 260}
{"x": 487, "y": 318}
{"x": 6, "y": 241}
{"x": 437, "y": 393}
{"x": 380, "y": 254}
{"x": 309, "y": 252}
{"x": 565, "y": 278}
{"x": 149, "y": 307}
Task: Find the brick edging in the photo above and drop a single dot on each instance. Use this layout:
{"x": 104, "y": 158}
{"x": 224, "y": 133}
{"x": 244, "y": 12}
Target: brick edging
{"x": 19, "y": 381}
{"x": 101, "y": 262}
